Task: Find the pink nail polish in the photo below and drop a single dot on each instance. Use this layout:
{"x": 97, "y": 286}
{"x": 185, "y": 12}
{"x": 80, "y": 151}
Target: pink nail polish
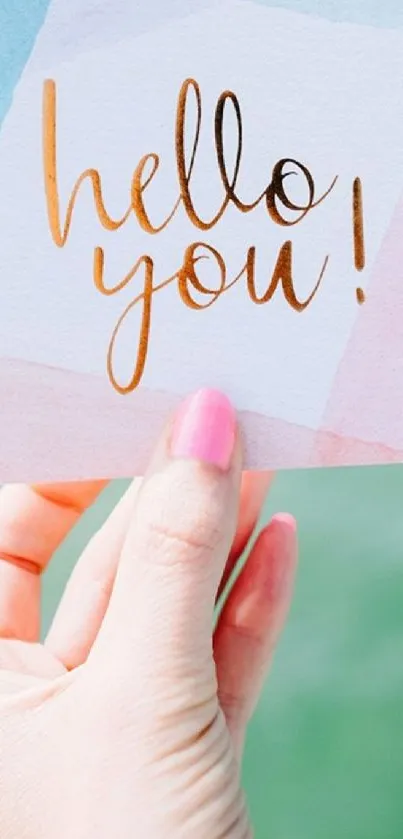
{"x": 204, "y": 429}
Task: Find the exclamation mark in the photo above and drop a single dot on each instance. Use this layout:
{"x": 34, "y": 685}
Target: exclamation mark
{"x": 358, "y": 226}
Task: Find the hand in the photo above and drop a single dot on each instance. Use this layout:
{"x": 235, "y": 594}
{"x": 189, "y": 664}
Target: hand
{"x": 130, "y": 720}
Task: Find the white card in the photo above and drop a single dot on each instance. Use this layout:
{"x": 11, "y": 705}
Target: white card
{"x": 275, "y": 276}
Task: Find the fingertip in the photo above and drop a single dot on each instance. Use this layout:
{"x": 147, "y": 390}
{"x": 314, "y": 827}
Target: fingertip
{"x": 283, "y": 529}
{"x": 275, "y": 553}
{"x": 205, "y": 429}
{"x": 286, "y": 520}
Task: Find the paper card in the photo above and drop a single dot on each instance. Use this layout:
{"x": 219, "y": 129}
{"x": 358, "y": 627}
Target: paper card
{"x": 205, "y": 197}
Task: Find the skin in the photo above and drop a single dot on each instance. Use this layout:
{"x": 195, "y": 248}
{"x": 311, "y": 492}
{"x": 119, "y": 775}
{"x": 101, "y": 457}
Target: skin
{"x": 130, "y": 719}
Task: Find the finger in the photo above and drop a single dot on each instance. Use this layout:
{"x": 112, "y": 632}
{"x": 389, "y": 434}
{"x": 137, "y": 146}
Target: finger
{"x": 254, "y": 489}
{"x": 251, "y": 621}
{"x": 34, "y": 520}
{"x": 161, "y": 609}
{"x": 86, "y": 597}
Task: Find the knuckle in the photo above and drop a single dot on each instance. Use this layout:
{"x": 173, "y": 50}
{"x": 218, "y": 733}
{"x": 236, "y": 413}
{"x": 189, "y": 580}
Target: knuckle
{"x": 174, "y": 544}
{"x": 200, "y": 538}
{"x": 180, "y": 519}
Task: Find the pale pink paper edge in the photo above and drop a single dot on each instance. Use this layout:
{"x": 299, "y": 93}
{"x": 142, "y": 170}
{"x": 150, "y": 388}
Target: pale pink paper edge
{"x": 59, "y": 426}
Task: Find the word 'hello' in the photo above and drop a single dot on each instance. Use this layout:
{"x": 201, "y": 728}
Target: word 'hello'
{"x": 274, "y": 197}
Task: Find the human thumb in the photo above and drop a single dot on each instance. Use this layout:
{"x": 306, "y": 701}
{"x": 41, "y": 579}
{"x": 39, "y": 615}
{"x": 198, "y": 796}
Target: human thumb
{"x": 160, "y": 615}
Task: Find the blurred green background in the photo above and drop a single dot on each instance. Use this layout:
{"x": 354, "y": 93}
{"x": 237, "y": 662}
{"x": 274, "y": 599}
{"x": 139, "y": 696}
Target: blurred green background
{"x": 324, "y": 756}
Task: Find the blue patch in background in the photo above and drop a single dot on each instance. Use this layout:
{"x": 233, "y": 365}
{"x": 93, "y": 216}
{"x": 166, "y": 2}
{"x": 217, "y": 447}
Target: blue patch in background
{"x": 20, "y": 21}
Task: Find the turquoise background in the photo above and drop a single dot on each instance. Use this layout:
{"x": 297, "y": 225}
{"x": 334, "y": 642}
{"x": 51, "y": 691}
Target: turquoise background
{"x": 325, "y": 751}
